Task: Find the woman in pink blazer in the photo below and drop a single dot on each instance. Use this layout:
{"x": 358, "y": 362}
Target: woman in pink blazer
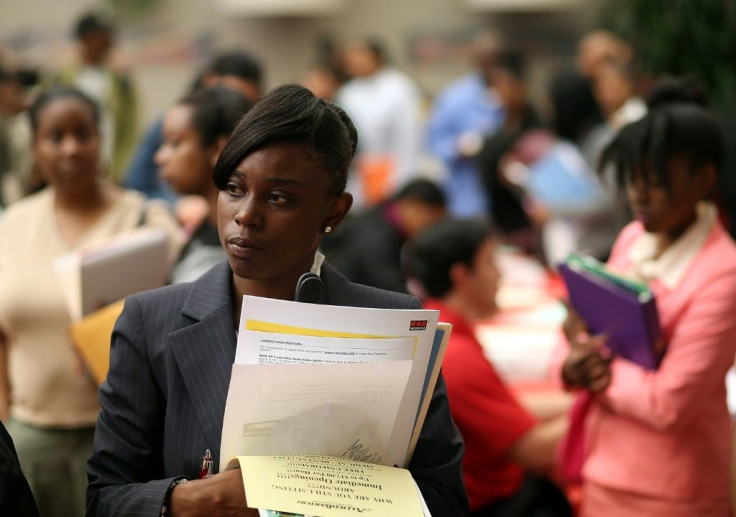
{"x": 658, "y": 442}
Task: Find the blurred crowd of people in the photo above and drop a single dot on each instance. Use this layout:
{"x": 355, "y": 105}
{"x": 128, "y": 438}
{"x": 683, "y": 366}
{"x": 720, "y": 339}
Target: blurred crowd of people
{"x": 550, "y": 180}
{"x": 473, "y": 139}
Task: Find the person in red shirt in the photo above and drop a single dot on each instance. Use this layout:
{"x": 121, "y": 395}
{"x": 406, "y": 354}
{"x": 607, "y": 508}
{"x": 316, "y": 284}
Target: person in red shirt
{"x": 451, "y": 266}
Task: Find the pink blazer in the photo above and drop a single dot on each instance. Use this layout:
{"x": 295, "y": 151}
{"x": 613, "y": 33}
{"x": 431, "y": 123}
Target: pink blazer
{"x": 666, "y": 434}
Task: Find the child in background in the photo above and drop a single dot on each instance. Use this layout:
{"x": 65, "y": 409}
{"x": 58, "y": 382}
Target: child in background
{"x": 658, "y": 442}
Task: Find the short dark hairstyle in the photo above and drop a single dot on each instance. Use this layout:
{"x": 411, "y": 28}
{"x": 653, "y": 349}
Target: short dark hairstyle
{"x": 671, "y": 89}
{"x": 239, "y": 64}
{"x": 291, "y": 113}
{"x": 676, "y": 130}
{"x": 60, "y": 92}
{"x": 575, "y": 109}
{"x": 89, "y": 23}
{"x": 216, "y": 112}
{"x": 429, "y": 257}
{"x": 423, "y": 190}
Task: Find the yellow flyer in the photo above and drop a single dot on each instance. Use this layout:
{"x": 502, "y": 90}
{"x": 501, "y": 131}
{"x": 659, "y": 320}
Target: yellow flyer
{"x": 328, "y": 486}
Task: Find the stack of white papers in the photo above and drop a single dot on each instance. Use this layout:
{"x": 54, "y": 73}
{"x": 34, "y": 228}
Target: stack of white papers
{"x": 341, "y": 381}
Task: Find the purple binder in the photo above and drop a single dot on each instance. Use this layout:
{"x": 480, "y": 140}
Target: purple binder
{"x": 628, "y": 319}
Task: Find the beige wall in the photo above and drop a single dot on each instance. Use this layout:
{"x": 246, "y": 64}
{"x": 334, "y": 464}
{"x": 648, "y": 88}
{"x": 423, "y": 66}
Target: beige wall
{"x": 288, "y": 44}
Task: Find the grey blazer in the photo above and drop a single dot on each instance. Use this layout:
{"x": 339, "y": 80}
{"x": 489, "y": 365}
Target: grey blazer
{"x": 164, "y": 398}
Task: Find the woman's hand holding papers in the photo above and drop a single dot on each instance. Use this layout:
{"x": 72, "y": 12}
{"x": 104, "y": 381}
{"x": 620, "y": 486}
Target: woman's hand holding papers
{"x": 220, "y": 495}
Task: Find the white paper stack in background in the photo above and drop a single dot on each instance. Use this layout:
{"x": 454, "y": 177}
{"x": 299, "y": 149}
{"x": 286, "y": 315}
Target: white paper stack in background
{"x": 101, "y": 274}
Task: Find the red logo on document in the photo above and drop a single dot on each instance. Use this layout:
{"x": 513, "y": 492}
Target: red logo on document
{"x": 418, "y": 325}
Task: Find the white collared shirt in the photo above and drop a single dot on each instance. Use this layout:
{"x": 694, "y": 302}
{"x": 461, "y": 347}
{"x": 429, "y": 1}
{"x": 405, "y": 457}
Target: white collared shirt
{"x": 316, "y": 268}
{"x": 671, "y": 265}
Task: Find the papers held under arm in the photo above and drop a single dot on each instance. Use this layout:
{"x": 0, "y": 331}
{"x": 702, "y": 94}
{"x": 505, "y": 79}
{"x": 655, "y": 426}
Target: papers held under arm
{"x": 109, "y": 271}
{"x": 96, "y": 279}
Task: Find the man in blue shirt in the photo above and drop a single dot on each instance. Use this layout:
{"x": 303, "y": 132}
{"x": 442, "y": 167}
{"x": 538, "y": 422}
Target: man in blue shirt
{"x": 463, "y": 115}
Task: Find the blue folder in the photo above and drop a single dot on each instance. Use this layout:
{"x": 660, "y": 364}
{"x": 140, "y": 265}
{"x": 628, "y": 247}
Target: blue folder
{"x": 628, "y": 319}
{"x": 561, "y": 179}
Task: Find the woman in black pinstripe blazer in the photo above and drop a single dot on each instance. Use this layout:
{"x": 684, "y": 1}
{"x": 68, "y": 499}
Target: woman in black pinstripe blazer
{"x": 281, "y": 178}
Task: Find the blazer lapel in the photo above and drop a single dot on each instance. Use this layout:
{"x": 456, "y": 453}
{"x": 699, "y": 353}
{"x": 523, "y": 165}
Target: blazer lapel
{"x": 338, "y": 289}
{"x": 205, "y": 350}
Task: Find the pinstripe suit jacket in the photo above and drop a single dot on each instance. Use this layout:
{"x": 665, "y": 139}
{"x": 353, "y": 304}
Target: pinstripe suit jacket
{"x": 164, "y": 398}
